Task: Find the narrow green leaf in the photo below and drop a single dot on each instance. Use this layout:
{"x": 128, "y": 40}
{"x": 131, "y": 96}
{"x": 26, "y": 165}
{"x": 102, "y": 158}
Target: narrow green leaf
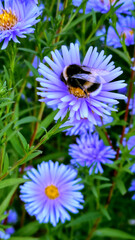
{"x": 105, "y": 185}
{"x": 32, "y": 156}
{"x": 26, "y": 120}
{"x": 85, "y": 218}
{"x": 29, "y": 229}
{"x": 15, "y": 142}
{"x": 23, "y": 140}
{"x": 120, "y": 54}
{"x": 6, "y": 201}
{"x": 3, "y": 216}
{"x": 27, "y": 50}
{"x": 120, "y": 185}
{"x": 23, "y": 238}
{"x": 113, "y": 233}
{"x": 12, "y": 181}
{"x": 5, "y": 104}
{"x": 34, "y": 70}
{"x": 101, "y": 178}
{"x": 4, "y": 130}
{"x": 105, "y": 212}
{"x": 45, "y": 123}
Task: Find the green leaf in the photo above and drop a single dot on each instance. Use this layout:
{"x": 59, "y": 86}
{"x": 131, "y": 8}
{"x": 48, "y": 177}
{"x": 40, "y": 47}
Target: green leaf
{"x": 120, "y": 54}
{"x": 5, "y": 104}
{"x": 6, "y": 201}
{"x": 105, "y": 185}
{"x": 120, "y": 185}
{"x": 23, "y": 238}
{"x": 12, "y": 181}
{"x": 26, "y": 120}
{"x": 31, "y": 156}
{"x": 23, "y": 140}
{"x": 29, "y": 229}
{"x": 34, "y": 70}
{"x": 4, "y": 130}
{"x": 3, "y": 216}
{"x": 113, "y": 233}
{"x": 105, "y": 212}
{"x": 85, "y": 218}
{"x": 101, "y": 178}
{"x": 45, "y": 123}
{"x": 28, "y": 50}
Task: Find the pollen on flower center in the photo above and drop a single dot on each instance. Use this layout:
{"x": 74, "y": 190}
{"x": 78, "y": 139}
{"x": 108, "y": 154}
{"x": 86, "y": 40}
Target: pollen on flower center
{"x": 7, "y": 20}
{"x": 77, "y": 92}
{"x": 124, "y": 33}
{"x": 52, "y": 192}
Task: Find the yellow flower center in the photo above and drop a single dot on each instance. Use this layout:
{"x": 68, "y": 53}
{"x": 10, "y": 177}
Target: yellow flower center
{"x": 131, "y": 32}
{"x": 78, "y": 92}
{"x": 7, "y": 20}
{"x": 110, "y": 1}
{"x": 52, "y": 192}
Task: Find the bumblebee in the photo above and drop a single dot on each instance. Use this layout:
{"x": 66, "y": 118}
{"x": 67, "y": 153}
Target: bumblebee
{"x": 80, "y": 81}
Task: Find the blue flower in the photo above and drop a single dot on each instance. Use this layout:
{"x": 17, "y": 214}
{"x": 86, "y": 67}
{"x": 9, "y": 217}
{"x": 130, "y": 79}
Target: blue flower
{"x": 103, "y": 6}
{"x": 83, "y": 126}
{"x": 78, "y": 127}
{"x": 91, "y": 152}
{"x": 125, "y": 28}
{"x": 52, "y": 191}
{"x": 8, "y": 232}
{"x": 75, "y": 100}
{"x": 132, "y": 105}
{"x": 16, "y": 20}
{"x": 132, "y": 188}
{"x": 131, "y": 146}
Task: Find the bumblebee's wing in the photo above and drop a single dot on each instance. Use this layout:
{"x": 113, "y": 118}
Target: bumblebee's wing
{"x": 87, "y": 77}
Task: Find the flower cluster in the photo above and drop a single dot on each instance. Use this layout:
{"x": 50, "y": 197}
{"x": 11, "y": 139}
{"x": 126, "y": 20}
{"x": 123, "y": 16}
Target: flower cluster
{"x": 11, "y": 219}
{"x": 52, "y": 191}
{"x": 124, "y": 30}
{"x": 90, "y": 151}
{"x": 82, "y": 102}
{"x": 16, "y": 19}
{"x": 103, "y": 6}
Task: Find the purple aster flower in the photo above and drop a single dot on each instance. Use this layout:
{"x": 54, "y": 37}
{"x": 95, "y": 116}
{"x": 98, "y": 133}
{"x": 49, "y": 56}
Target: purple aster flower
{"x": 132, "y": 105}
{"x": 16, "y": 20}
{"x": 52, "y": 191}
{"x": 91, "y": 152}
{"x": 103, "y": 6}
{"x": 132, "y": 188}
{"x": 8, "y": 232}
{"x": 125, "y": 28}
{"x": 79, "y": 127}
{"x": 83, "y": 101}
{"x": 12, "y": 217}
{"x": 131, "y": 146}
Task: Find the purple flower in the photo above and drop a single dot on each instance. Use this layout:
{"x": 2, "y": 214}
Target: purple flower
{"x": 52, "y": 191}
{"x": 8, "y": 232}
{"x": 12, "y": 217}
{"x": 132, "y": 105}
{"x": 131, "y": 146}
{"x": 16, "y": 20}
{"x": 103, "y": 6}
{"x": 67, "y": 98}
{"x": 125, "y": 28}
{"x": 79, "y": 127}
{"x": 91, "y": 152}
{"x": 132, "y": 188}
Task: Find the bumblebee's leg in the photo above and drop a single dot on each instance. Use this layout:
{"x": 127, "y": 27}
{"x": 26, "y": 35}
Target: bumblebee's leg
{"x": 80, "y": 86}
